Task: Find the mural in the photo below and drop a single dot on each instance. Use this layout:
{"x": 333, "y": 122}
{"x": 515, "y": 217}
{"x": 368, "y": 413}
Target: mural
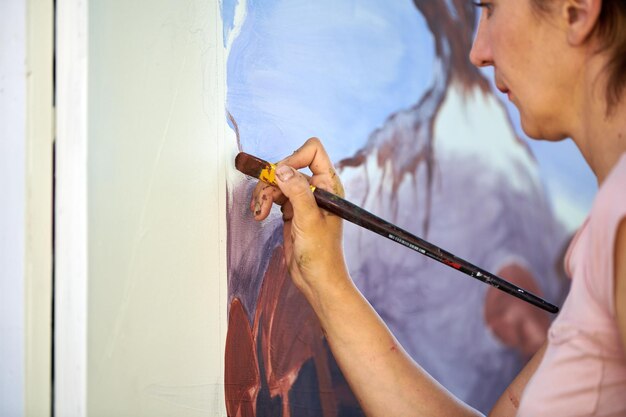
{"x": 421, "y": 139}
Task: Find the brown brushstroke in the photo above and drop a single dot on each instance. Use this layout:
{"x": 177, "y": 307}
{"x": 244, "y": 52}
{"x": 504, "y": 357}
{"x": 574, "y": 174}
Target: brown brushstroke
{"x": 250, "y": 165}
{"x": 289, "y": 335}
{"x": 453, "y": 31}
{"x": 236, "y": 127}
{"x": 241, "y": 378}
{"x": 399, "y": 156}
{"x": 453, "y": 36}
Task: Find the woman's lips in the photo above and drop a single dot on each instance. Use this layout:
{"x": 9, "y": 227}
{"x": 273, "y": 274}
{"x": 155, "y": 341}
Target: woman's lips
{"x": 505, "y": 91}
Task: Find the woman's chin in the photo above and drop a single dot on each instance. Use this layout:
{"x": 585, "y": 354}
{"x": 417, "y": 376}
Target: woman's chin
{"x": 541, "y": 131}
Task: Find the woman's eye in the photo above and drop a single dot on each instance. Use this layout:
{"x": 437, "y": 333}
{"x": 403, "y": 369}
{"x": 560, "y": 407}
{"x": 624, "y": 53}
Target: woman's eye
{"x": 486, "y": 6}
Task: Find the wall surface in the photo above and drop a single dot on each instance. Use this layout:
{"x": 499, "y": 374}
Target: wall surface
{"x": 39, "y": 179}
{"x": 26, "y": 110}
{"x": 156, "y": 209}
{"x": 12, "y": 208}
{"x": 421, "y": 138}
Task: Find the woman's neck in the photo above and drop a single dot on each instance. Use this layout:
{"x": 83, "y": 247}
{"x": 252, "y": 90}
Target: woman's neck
{"x": 600, "y": 133}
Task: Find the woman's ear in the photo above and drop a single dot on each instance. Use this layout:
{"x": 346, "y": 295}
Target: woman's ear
{"x": 581, "y": 17}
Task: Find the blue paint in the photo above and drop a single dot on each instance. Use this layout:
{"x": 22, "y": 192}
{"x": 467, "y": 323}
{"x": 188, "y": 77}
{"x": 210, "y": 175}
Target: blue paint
{"x": 227, "y": 10}
{"x": 337, "y": 70}
{"x": 330, "y": 69}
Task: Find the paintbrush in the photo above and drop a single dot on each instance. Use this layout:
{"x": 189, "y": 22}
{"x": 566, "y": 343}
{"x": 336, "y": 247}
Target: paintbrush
{"x": 266, "y": 172}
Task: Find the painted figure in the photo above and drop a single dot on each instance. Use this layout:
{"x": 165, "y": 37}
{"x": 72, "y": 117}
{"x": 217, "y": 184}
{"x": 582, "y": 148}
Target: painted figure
{"x": 450, "y": 168}
{"x": 542, "y": 51}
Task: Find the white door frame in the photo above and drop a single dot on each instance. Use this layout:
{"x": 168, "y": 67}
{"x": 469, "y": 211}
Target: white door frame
{"x": 39, "y": 210}
{"x": 26, "y": 182}
{"x": 70, "y": 335}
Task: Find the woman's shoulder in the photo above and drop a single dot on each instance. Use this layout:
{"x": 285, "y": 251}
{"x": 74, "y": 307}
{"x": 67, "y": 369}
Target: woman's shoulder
{"x": 594, "y": 260}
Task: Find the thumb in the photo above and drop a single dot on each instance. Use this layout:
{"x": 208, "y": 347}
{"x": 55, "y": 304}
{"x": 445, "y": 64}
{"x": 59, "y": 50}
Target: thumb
{"x": 297, "y": 189}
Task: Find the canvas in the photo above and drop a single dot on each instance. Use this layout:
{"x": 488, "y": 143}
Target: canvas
{"x": 421, "y": 138}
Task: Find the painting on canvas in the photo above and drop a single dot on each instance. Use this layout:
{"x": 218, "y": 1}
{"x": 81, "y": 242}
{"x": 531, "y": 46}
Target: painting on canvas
{"x": 421, "y": 138}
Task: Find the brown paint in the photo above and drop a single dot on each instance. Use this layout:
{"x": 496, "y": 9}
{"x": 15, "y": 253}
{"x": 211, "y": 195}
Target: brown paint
{"x": 241, "y": 379}
{"x": 453, "y": 36}
{"x": 236, "y": 127}
{"x": 399, "y": 155}
{"x": 250, "y": 165}
{"x": 289, "y": 335}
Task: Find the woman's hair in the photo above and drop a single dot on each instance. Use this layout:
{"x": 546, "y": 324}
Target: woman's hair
{"x": 611, "y": 31}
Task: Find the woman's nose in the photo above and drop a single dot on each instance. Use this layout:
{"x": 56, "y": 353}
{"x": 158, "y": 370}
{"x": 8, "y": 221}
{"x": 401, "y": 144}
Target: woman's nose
{"x": 481, "y": 55}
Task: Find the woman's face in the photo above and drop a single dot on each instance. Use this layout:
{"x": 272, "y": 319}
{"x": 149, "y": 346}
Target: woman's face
{"x": 531, "y": 63}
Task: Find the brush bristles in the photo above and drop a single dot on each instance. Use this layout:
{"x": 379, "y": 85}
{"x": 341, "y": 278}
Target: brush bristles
{"x": 250, "y": 165}
{"x": 255, "y": 167}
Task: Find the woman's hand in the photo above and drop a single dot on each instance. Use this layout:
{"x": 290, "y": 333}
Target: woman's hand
{"x": 312, "y": 236}
{"x": 385, "y": 380}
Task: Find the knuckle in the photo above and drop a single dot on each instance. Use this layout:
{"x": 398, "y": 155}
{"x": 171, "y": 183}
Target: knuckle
{"x": 314, "y": 141}
{"x": 300, "y": 191}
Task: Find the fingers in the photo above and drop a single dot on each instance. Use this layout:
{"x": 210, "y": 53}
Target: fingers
{"x": 307, "y": 228}
{"x": 263, "y": 196}
{"x": 297, "y": 189}
{"x": 313, "y": 155}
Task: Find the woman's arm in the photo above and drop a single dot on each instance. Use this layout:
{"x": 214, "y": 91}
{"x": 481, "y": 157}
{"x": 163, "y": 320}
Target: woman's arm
{"x": 620, "y": 279}
{"x": 508, "y": 403}
{"x": 385, "y": 380}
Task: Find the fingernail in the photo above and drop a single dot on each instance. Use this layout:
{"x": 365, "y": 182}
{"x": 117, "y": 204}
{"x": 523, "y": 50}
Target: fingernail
{"x": 257, "y": 208}
{"x": 284, "y": 173}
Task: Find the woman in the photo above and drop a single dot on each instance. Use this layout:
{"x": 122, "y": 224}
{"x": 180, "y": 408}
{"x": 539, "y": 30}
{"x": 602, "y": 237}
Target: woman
{"x": 542, "y": 51}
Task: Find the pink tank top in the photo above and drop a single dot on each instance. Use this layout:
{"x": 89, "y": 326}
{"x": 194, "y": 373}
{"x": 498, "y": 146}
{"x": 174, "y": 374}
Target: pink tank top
{"x": 583, "y": 371}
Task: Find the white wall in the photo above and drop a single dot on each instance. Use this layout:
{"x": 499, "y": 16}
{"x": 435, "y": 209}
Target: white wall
{"x": 140, "y": 239}
{"x": 26, "y": 207}
{"x": 156, "y": 318}
{"x": 70, "y": 216}
{"x": 39, "y": 179}
{"x": 13, "y": 203}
